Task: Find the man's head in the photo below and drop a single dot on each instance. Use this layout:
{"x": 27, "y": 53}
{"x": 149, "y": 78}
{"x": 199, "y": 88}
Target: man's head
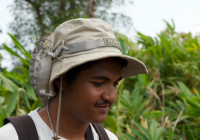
{"x": 86, "y": 40}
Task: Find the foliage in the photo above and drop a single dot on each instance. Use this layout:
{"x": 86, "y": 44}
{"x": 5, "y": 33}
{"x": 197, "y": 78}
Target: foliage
{"x": 17, "y": 96}
{"x": 165, "y": 104}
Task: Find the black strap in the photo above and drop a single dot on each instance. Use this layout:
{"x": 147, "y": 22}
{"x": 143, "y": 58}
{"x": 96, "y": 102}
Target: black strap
{"x": 26, "y": 129}
{"x": 88, "y": 134}
{"x": 100, "y": 131}
{"x": 24, "y": 126}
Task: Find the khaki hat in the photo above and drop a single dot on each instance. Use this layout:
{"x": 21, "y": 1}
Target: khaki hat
{"x": 83, "y": 40}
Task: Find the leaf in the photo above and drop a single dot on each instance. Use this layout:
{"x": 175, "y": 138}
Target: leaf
{"x": 170, "y": 134}
{"x": 9, "y": 50}
{"x": 123, "y": 49}
{"x": 36, "y": 104}
{"x": 160, "y": 133}
{"x": 25, "y": 99}
{"x": 7, "y": 83}
{"x": 20, "y": 47}
{"x": 185, "y": 90}
{"x": 21, "y": 112}
{"x": 140, "y": 135}
{"x": 130, "y": 137}
{"x": 1, "y": 120}
{"x": 12, "y": 102}
{"x": 3, "y": 115}
{"x": 154, "y": 114}
{"x": 153, "y": 129}
{"x": 30, "y": 91}
{"x": 143, "y": 130}
{"x": 191, "y": 101}
{"x": 111, "y": 123}
{"x": 2, "y": 99}
{"x": 25, "y": 63}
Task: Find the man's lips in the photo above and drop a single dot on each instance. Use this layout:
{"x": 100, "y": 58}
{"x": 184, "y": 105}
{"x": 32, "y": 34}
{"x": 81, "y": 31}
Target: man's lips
{"x": 103, "y": 107}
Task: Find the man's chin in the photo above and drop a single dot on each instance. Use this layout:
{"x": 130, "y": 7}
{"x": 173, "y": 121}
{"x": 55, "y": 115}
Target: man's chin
{"x": 100, "y": 119}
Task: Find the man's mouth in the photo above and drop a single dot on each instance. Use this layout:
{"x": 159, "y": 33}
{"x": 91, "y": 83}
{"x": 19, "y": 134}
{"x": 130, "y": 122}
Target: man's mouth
{"x": 103, "y": 107}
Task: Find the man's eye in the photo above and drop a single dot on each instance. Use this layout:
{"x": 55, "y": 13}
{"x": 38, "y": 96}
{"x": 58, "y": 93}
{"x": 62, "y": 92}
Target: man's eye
{"x": 98, "y": 84}
{"x": 115, "y": 84}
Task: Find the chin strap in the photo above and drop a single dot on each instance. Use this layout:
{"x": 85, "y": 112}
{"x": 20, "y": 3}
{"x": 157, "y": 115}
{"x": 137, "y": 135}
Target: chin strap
{"x": 55, "y": 137}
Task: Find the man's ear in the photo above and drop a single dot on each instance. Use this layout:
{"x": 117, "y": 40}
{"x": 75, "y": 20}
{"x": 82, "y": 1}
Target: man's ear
{"x": 57, "y": 83}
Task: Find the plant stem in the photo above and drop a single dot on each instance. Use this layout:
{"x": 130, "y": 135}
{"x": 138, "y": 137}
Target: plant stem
{"x": 176, "y": 122}
{"x": 118, "y": 105}
{"x": 163, "y": 103}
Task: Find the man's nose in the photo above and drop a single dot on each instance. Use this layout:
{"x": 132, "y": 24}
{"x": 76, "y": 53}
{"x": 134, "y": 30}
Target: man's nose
{"x": 110, "y": 94}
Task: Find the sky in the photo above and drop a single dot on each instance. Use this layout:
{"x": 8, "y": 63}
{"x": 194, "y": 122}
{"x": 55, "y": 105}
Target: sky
{"x": 5, "y": 19}
{"x": 147, "y": 16}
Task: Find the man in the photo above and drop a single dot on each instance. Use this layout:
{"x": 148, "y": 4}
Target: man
{"x": 78, "y": 68}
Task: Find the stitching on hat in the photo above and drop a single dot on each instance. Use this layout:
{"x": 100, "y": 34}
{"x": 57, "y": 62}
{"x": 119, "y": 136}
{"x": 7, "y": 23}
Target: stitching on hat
{"x": 111, "y": 41}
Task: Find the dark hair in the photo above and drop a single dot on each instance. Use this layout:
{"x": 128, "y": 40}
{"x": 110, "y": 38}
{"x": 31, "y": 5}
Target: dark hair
{"x": 72, "y": 73}
{"x": 70, "y": 76}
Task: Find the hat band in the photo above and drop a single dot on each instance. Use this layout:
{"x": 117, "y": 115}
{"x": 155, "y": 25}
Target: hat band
{"x": 90, "y": 44}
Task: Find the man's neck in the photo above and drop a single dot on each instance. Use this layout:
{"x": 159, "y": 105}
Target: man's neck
{"x": 69, "y": 128}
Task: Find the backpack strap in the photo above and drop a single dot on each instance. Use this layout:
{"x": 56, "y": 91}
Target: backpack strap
{"x": 100, "y": 131}
{"x": 24, "y": 126}
{"x": 88, "y": 134}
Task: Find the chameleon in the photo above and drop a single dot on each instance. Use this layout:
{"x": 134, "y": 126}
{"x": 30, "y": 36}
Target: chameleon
{"x": 41, "y": 65}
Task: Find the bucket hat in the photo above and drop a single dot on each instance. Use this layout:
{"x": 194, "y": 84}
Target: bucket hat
{"x": 73, "y": 43}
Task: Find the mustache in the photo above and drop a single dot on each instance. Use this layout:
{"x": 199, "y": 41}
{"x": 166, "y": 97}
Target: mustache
{"x": 103, "y": 103}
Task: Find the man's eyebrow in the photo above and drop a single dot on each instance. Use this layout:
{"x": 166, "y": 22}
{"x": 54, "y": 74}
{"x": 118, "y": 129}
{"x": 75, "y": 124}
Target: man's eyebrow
{"x": 120, "y": 78}
{"x": 104, "y": 78}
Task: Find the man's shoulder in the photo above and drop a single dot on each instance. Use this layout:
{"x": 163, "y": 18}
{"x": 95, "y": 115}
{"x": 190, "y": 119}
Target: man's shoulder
{"x": 8, "y": 132}
{"x": 111, "y": 135}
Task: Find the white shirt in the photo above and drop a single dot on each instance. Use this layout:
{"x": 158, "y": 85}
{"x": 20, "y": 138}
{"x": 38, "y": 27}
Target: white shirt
{"x": 8, "y": 132}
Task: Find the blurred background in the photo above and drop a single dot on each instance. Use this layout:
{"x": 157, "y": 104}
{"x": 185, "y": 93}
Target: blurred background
{"x": 164, "y": 34}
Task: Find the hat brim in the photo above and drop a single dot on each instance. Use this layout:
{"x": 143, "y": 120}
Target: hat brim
{"x": 134, "y": 66}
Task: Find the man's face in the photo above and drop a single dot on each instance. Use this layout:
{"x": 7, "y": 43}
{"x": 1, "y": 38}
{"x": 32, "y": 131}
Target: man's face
{"x": 93, "y": 91}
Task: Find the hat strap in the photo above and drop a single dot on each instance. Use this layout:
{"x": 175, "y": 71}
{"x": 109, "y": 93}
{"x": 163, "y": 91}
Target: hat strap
{"x": 55, "y": 137}
{"x": 90, "y": 44}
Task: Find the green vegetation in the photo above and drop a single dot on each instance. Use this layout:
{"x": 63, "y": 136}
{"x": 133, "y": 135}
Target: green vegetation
{"x": 163, "y": 105}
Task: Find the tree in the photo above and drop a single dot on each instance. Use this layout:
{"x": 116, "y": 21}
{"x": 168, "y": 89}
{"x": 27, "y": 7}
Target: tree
{"x": 42, "y": 16}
